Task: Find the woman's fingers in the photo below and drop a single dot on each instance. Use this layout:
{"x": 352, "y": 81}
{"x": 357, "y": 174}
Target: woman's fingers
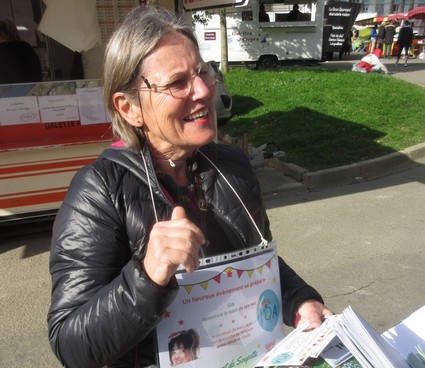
{"x": 172, "y": 243}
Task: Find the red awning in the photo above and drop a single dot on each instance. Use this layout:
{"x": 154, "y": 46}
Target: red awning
{"x": 397, "y": 16}
{"x": 417, "y": 13}
{"x": 384, "y": 18}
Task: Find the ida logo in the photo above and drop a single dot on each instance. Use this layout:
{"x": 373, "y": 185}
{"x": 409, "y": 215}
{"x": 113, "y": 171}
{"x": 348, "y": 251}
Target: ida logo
{"x": 268, "y": 310}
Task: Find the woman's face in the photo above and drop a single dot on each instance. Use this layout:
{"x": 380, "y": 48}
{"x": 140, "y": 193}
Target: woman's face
{"x": 175, "y": 127}
{"x": 180, "y": 355}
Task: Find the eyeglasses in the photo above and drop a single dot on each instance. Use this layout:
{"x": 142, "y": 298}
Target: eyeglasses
{"x": 181, "y": 85}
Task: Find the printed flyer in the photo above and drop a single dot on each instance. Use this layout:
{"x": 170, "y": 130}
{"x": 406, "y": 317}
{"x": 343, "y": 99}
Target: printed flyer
{"x": 225, "y": 316}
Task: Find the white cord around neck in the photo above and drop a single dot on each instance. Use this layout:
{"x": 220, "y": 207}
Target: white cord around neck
{"x": 264, "y": 241}
{"x": 150, "y": 186}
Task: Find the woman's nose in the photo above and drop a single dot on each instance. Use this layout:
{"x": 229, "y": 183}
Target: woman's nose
{"x": 200, "y": 89}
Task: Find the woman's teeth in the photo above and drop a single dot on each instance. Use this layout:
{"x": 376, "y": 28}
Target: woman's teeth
{"x": 199, "y": 114}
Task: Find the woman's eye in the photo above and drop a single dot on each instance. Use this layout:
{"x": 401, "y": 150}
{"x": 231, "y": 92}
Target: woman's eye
{"x": 178, "y": 83}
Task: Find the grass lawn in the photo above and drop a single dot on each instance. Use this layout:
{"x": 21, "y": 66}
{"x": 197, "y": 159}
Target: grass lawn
{"x": 324, "y": 118}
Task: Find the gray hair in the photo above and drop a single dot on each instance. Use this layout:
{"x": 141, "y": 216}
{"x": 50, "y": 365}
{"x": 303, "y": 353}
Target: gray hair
{"x": 137, "y": 36}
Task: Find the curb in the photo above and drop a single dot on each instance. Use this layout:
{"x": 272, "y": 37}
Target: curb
{"x": 347, "y": 174}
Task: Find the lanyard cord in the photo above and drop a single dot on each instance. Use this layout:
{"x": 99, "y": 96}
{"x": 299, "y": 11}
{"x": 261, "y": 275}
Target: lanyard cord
{"x": 150, "y": 187}
{"x": 263, "y": 241}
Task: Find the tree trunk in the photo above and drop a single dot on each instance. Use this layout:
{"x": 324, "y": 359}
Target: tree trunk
{"x": 223, "y": 33}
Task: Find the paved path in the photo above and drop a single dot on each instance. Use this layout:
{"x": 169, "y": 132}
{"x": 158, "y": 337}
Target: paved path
{"x": 361, "y": 244}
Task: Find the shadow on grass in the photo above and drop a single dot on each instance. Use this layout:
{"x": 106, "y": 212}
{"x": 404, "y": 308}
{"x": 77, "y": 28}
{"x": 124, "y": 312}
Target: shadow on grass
{"x": 315, "y": 141}
{"x": 244, "y": 104}
{"x": 318, "y": 142}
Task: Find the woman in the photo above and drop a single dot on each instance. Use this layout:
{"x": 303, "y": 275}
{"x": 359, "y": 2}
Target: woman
{"x": 151, "y": 203}
{"x": 404, "y": 40}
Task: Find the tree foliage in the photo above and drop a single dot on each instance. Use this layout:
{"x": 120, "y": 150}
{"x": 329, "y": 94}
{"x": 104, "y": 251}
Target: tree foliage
{"x": 201, "y": 17}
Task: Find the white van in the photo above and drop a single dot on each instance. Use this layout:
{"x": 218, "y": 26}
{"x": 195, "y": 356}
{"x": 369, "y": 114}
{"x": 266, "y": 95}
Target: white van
{"x": 265, "y": 44}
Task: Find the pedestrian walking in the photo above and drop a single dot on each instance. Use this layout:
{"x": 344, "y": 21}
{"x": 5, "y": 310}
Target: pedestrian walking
{"x": 405, "y": 37}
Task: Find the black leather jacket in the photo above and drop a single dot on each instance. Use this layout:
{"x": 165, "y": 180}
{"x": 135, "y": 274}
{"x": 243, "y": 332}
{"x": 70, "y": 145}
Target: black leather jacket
{"x": 104, "y": 309}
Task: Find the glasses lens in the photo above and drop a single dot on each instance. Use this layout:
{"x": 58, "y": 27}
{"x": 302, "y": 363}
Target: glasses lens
{"x": 184, "y": 87}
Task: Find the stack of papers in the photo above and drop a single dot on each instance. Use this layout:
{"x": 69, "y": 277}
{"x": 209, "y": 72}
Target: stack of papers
{"x": 369, "y": 348}
{"x": 348, "y": 334}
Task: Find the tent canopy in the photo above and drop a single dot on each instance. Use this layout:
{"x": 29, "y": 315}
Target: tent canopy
{"x": 397, "y": 16}
{"x": 417, "y": 13}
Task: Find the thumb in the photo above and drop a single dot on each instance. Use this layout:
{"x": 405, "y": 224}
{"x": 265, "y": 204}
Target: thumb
{"x": 178, "y": 213}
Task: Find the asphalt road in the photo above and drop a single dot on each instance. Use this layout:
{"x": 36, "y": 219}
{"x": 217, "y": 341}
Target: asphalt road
{"x": 361, "y": 245}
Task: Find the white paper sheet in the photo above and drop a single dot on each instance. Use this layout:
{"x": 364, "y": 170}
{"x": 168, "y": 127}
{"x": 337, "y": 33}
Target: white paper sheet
{"x": 19, "y": 110}
{"x": 91, "y": 106}
{"x": 235, "y": 308}
{"x": 58, "y": 108}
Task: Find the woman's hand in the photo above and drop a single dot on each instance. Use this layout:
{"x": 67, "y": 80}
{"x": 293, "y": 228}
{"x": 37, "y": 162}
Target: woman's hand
{"x": 312, "y": 312}
{"x": 172, "y": 243}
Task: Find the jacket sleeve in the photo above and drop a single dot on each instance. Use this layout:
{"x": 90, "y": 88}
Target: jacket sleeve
{"x": 102, "y": 302}
{"x": 295, "y": 291}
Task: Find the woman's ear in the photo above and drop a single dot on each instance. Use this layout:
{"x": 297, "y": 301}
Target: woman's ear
{"x": 128, "y": 110}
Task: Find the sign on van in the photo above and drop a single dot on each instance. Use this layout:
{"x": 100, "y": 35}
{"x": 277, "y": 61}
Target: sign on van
{"x": 210, "y": 4}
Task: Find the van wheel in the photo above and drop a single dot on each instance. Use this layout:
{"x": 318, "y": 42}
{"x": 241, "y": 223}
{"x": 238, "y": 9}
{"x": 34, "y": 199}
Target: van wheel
{"x": 267, "y": 62}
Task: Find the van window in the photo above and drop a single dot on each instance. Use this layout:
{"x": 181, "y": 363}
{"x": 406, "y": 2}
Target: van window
{"x": 280, "y": 11}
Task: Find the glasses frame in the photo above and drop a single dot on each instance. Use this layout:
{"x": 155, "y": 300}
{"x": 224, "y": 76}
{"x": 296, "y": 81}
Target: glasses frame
{"x": 165, "y": 87}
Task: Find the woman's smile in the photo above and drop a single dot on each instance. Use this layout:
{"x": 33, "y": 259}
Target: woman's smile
{"x": 198, "y": 117}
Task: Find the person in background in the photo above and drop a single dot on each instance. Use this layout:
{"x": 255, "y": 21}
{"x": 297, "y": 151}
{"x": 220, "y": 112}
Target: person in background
{"x": 294, "y": 14}
{"x": 389, "y": 39}
{"x": 19, "y": 63}
{"x": 346, "y": 46}
{"x": 373, "y": 37}
{"x": 263, "y": 16}
{"x": 381, "y": 35}
{"x": 163, "y": 196}
{"x": 372, "y": 63}
{"x": 405, "y": 38}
